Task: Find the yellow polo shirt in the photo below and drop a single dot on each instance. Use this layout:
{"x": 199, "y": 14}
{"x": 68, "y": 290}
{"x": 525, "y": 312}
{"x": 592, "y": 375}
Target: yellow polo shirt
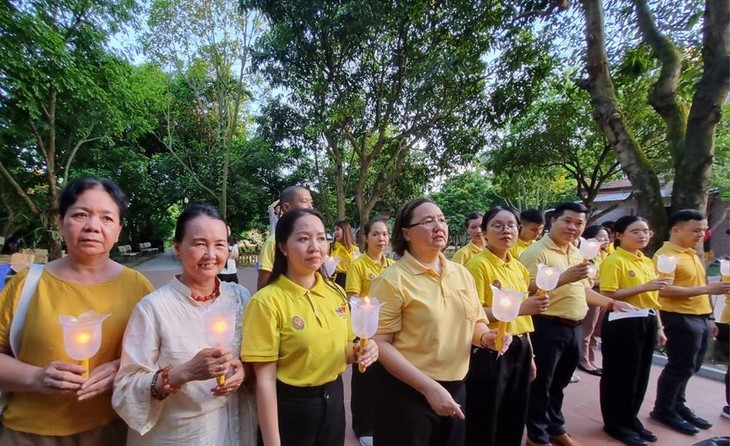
{"x": 690, "y": 272}
{"x": 520, "y": 247}
{"x": 725, "y": 316}
{"x": 488, "y": 270}
{"x": 569, "y": 300}
{"x": 339, "y": 250}
{"x": 623, "y": 269}
{"x": 362, "y": 271}
{"x": 266, "y": 257}
{"x": 306, "y": 332}
{"x": 62, "y": 414}
{"x": 431, "y": 316}
{"x": 463, "y": 255}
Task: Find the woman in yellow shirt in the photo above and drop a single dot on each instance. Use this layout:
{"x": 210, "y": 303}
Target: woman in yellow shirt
{"x": 362, "y": 271}
{"x": 345, "y": 249}
{"x": 498, "y": 387}
{"x": 298, "y": 337}
{"x": 628, "y": 344}
{"x": 52, "y": 400}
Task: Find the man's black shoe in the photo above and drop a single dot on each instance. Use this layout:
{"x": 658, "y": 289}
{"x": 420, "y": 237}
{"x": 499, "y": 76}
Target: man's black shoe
{"x": 646, "y": 434}
{"x": 675, "y": 422}
{"x": 629, "y": 439}
{"x": 689, "y": 415}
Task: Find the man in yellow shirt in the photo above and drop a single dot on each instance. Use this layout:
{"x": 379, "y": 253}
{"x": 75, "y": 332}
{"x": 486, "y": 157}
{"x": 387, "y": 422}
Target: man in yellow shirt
{"x": 531, "y": 225}
{"x": 473, "y": 226}
{"x": 292, "y": 197}
{"x": 557, "y": 330}
{"x": 687, "y": 316}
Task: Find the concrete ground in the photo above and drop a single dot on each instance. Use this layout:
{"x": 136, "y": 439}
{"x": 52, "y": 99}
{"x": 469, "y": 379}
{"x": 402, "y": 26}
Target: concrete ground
{"x": 581, "y": 406}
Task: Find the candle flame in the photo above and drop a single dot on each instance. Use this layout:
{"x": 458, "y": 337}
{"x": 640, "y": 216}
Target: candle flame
{"x": 366, "y": 300}
{"x": 505, "y": 302}
{"x": 220, "y": 326}
{"x": 83, "y": 338}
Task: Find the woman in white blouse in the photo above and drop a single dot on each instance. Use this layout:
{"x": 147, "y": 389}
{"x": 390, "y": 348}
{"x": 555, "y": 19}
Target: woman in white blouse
{"x": 166, "y": 388}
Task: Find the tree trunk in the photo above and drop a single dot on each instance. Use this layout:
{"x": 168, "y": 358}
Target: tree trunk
{"x": 693, "y": 164}
{"x": 634, "y": 163}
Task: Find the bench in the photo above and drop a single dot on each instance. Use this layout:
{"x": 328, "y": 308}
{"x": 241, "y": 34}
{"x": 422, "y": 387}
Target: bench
{"x": 126, "y": 251}
{"x": 146, "y": 247}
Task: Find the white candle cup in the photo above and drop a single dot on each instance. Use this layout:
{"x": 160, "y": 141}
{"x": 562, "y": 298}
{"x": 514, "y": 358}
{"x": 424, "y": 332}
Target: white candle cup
{"x": 365, "y": 313}
{"x": 725, "y": 270}
{"x": 330, "y": 265}
{"x": 592, "y": 271}
{"x": 219, "y": 322}
{"x": 589, "y": 249}
{"x": 547, "y": 277}
{"x": 666, "y": 265}
{"x": 82, "y": 335}
{"x": 506, "y": 303}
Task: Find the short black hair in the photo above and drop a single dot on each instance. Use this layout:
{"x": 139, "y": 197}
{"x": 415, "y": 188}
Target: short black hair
{"x": 685, "y": 215}
{"x": 192, "y": 212}
{"x": 592, "y": 231}
{"x": 609, "y": 224}
{"x": 568, "y": 206}
{"x": 472, "y": 216}
{"x": 71, "y": 192}
{"x": 532, "y": 216}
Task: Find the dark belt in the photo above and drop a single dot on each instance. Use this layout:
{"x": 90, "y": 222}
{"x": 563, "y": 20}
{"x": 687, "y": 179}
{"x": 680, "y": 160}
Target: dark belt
{"x": 561, "y": 320}
{"x": 307, "y": 392}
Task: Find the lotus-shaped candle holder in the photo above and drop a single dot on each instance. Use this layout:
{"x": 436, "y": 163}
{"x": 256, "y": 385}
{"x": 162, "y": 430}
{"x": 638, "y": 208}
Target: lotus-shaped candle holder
{"x": 589, "y": 249}
{"x": 547, "y": 277}
{"x": 219, "y": 321}
{"x": 365, "y": 314}
{"x": 330, "y": 265}
{"x": 725, "y": 270}
{"x": 666, "y": 265}
{"x": 505, "y": 308}
{"x": 82, "y": 336}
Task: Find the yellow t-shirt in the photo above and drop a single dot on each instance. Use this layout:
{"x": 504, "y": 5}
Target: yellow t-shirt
{"x": 690, "y": 272}
{"x": 266, "y": 257}
{"x": 431, "y": 316}
{"x": 42, "y": 343}
{"x": 307, "y": 332}
{"x": 488, "y": 270}
{"x": 569, "y": 300}
{"x": 725, "y": 316}
{"x": 623, "y": 269}
{"x": 463, "y": 255}
{"x": 345, "y": 256}
{"x": 362, "y": 271}
{"x": 520, "y": 247}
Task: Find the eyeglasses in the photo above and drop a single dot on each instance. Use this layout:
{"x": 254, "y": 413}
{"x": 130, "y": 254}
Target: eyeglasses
{"x": 499, "y": 227}
{"x": 638, "y": 232}
{"x": 429, "y": 223}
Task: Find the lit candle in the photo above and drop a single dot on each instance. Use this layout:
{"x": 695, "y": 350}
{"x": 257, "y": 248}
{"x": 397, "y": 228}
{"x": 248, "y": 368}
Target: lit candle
{"x": 365, "y": 314}
{"x": 330, "y": 265}
{"x": 547, "y": 278}
{"x": 589, "y": 249}
{"x": 725, "y": 270}
{"x": 220, "y": 327}
{"x": 82, "y": 336}
{"x": 666, "y": 265}
{"x": 505, "y": 308}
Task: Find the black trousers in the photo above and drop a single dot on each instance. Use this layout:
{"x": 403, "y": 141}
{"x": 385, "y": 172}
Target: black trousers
{"x": 497, "y": 390}
{"x": 556, "y": 348}
{"x": 627, "y": 346}
{"x": 687, "y": 338}
{"x": 723, "y": 339}
{"x": 404, "y": 417}
{"x": 363, "y": 388}
{"x": 311, "y": 416}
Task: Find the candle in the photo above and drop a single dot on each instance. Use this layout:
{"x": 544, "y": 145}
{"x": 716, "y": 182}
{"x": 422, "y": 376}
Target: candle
{"x": 330, "y": 265}
{"x": 547, "y": 278}
{"x": 666, "y": 265}
{"x": 219, "y": 322}
{"x": 725, "y": 270}
{"x": 82, "y": 336}
{"x": 589, "y": 249}
{"x": 505, "y": 308}
{"x": 365, "y": 314}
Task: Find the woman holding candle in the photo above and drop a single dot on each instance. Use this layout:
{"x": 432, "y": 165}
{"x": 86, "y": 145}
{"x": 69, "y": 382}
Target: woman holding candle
{"x": 50, "y": 401}
{"x": 361, "y": 272}
{"x": 497, "y": 387}
{"x": 166, "y": 388}
{"x": 473, "y": 226}
{"x": 628, "y": 344}
{"x": 297, "y": 335}
{"x": 345, "y": 249}
{"x": 592, "y": 322}
{"x": 430, "y": 319}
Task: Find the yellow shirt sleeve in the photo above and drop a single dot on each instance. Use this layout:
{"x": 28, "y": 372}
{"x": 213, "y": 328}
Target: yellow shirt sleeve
{"x": 390, "y": 313}
{"x": 261, "y": 333}
{"x": 355, "y": 275}
{"x": 481, "y": 280}
{"x": 266, "y": 258}
{"x": 609, "y": 275}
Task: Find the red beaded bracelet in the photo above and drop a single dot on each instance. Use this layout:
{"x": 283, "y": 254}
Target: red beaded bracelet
{"x": 167, "y": 388}
{"x": 153, "y": 387}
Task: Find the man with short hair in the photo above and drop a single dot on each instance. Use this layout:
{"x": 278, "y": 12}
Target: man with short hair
{"x": 531, "y": 226}
{"x": 557, "y": 330}
{"x": 292, "y": 197}
{"x": 686, "y": 313}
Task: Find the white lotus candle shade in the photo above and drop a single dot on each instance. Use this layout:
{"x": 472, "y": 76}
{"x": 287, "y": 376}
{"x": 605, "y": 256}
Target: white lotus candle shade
{"x": 82, "y": 336}
{"x": 505, "y": 308}
{"x": 219, "y": 321}
{"x": 666, "y": 265}
{"x": 589, "y": 249}
{"x": 725, "y": 270}
{"x": 330, "y": 265}
{"x": 365, "y": 314}
{"x": 547, "y": 277}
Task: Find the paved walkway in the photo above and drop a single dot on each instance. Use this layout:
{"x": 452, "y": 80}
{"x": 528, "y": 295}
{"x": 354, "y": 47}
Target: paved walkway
{"x": 581, "y": 406}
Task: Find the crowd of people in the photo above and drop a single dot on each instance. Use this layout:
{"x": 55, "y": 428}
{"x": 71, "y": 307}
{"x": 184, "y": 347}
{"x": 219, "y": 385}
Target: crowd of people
{"x": 441, "y": 368}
